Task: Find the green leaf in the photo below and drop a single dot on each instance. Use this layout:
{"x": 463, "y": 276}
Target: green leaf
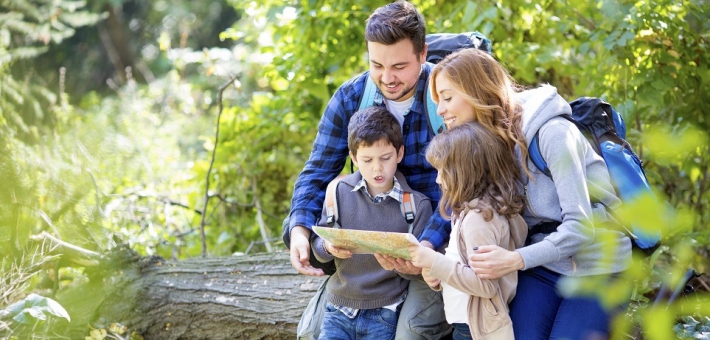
{"x": 36, "y": 307}
{"x": 625, "y": 37}
{"x": 469, "y": 12}
{"x": 584, "y": 47}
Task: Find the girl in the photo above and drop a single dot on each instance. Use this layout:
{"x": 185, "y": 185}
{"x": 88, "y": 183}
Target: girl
{"x": 567, "y": 233}
{"x": 478, "y": 175}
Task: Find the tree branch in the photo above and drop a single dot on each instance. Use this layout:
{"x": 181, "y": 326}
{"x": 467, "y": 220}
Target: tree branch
{"x": 209, "y": 170}
{"x": 75, "y": 254}
{"x": 260, "y": 219}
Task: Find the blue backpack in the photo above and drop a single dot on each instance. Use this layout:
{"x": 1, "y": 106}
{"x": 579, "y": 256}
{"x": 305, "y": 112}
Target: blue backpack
{"x": 439, "y": 46}
{"x": 606, "y": 132}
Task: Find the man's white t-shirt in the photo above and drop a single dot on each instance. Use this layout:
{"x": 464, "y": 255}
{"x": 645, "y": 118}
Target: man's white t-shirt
{"x": 399, "y": 109}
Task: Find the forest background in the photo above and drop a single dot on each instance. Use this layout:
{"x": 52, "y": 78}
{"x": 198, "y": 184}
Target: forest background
{"x": 177, "y": 128}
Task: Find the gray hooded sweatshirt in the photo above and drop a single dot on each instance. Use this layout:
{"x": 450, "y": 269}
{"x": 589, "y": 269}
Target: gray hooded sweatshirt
{"x": 588, "y": 242}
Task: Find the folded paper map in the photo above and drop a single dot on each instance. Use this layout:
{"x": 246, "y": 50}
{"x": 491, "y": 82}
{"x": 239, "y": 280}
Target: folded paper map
{"x": 369, "y": 242}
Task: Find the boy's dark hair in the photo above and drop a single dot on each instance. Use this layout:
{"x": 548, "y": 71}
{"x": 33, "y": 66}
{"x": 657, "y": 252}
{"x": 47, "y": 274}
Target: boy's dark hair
{"x": 371, "y": 125}
{"x": 393, "y": 22}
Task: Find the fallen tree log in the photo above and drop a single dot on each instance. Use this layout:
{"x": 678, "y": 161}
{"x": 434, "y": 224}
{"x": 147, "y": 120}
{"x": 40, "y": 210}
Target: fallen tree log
{"x": 242, "y": 297}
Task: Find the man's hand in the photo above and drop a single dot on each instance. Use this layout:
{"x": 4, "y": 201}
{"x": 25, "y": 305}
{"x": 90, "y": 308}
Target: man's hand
{"x": 492, "y": 262}
{"x": 300, "y": 248}
{"x": 392, "y": 263}
{"x": 338, "y": 252}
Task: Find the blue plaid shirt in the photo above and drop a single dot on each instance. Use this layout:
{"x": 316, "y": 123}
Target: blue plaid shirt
{"x": 330, "y": 151}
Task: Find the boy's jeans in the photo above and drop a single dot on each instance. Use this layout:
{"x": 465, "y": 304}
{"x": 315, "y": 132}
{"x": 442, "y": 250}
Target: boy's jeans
{"x": 378, "y": 323}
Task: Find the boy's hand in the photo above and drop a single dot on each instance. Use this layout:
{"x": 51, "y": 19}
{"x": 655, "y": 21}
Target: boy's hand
{"x": 338, "y": 252}
{"x": 392, "y": 263}
{"x": 422, "y": 257}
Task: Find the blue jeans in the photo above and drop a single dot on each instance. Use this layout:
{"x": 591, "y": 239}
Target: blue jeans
{"x": 377, "y": 323}
{"x": 540, "y": 313}
{"x": 461, "y": 331}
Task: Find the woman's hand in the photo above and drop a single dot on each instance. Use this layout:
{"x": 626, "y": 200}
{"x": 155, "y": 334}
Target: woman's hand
{"x": 492, "y": 262}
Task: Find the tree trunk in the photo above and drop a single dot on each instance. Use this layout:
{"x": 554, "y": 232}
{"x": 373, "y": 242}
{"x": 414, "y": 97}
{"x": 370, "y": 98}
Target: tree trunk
{"x": 243, "y": 297}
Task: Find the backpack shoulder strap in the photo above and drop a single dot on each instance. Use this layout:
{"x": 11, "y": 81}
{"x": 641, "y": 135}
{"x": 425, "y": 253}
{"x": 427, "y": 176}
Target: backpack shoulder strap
{"x": 409, "y": 210}
{"x": 536, "y": 155}
{"x": 331, "y": 202}
{"x": 367, "y": 98}
{"x": 436, "y": 122}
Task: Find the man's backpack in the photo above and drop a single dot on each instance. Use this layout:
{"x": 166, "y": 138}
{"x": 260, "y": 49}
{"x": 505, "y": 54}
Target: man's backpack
{"x": 606, "y": 132}
{"x": 439, "y": 46}
{"x": 407, "y": 206}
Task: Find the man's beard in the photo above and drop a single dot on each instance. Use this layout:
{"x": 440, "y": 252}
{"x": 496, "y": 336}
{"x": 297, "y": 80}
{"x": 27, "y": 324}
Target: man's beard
{"x": 384, "y": 93}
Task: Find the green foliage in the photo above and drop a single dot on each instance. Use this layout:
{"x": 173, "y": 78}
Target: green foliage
{"x": 690, "y": 328}
{"x": 19, "y": 315}
{"x": 34, "y": 308}
{"x": 26, "y": 30}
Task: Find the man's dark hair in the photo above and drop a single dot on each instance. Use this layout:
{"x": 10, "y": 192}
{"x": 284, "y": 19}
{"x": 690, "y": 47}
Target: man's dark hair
{"x": 399, "y": 20}
{"x": 371, "y": 125}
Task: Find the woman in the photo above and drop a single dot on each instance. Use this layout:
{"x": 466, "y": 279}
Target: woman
{"x": 562, "y": 239}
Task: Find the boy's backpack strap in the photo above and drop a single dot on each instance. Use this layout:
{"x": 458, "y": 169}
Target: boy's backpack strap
{"x": 331, "y": 202}
{"x": 409, "y": 210}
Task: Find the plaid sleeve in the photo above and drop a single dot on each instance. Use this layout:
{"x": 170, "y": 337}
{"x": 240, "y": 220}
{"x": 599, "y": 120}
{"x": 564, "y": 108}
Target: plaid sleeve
{"x": 327, "y": 159}
{"x": 437, "y": 230}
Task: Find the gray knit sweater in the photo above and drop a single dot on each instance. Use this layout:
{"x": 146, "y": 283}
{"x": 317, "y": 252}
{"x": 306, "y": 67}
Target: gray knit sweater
{"x": 360, "y": 282}
{"x": 581, "y": 245}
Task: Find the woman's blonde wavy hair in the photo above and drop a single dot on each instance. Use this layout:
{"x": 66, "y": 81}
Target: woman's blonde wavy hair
{"x": 488, "y": 87}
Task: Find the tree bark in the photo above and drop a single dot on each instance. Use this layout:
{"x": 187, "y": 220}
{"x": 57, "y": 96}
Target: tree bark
{"x": 243, "y": 297}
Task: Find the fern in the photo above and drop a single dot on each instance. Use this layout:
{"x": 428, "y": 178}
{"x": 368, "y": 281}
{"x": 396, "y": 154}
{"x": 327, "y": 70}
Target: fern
{"x": 25, "y": 53}
{"x": 27, "y": 27}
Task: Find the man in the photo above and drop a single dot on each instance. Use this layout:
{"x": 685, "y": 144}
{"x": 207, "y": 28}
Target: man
{"x": 395, "y": 35}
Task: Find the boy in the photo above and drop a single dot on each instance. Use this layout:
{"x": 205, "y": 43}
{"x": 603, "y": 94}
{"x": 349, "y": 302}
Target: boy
{"x": 364, "y": 299}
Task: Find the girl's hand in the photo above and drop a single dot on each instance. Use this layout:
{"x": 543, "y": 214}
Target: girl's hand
{"x": 338, "y": 252}
{"x": 422, "y": 257}
{"x": 433, "y": 282}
